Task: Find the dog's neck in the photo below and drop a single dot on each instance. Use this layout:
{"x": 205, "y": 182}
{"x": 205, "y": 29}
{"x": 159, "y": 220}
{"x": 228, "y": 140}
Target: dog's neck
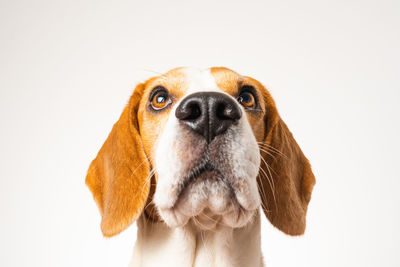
{"x": 158, "y": 245}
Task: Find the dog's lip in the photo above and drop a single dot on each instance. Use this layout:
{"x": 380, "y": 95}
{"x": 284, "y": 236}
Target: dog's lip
{"x": 205, "y": 165}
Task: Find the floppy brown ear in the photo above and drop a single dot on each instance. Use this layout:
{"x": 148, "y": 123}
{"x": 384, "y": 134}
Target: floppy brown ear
{"x": 117, "y": 177}
{"x": 286, "y": 191}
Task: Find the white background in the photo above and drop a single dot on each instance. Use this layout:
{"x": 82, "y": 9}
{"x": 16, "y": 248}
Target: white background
{"x": 67, "y": 68}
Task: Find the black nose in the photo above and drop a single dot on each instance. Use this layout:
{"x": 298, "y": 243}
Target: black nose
{"x": 208, "y": 113}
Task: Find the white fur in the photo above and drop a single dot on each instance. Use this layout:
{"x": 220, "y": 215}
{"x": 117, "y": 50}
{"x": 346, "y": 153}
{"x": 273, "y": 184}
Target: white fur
{"x": 159, "y": 245}
{"x": 200, "y": 81}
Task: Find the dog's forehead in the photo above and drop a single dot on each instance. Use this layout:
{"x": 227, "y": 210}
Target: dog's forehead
{"x": 186, "y": 80}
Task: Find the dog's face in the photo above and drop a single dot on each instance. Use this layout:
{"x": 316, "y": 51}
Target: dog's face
{"x": 214, "y": 146}
{"x": 204, "y": 152}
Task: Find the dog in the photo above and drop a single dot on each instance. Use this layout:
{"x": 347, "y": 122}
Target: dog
{"x": 194, "y": 158}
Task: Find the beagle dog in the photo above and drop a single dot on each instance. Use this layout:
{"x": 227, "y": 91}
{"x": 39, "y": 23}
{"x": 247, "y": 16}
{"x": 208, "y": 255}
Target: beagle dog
{"x": 194, "y": 158}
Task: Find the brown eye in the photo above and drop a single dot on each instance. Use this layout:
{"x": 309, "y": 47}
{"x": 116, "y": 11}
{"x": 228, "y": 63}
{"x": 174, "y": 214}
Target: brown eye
{"x": 247, "y": 100}
{"x": 160, "y": 100}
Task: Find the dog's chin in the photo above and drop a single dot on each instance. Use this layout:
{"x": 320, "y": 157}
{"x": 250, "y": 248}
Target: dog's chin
{"x": 208, "y": 201}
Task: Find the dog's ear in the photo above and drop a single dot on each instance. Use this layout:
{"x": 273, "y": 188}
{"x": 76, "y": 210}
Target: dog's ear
{"x": 286, "y": 179}
{"x": 118, "y": 176}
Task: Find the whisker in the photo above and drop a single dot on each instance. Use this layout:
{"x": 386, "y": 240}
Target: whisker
{"x": 263, "y": 195}
{"x": 133, "y": 172}
{"x": 153, "y": 209}
{"x": 268, "y": 168}
{"x": 271, "y": 184}
{"x": 266, "y": 209}
{"x": 267, "y": 152}
{"x": 148, "y": 179}
{"x": 147, "y": 205}
{"x": 153, "y": 71}
{"x": 273, "y": 149}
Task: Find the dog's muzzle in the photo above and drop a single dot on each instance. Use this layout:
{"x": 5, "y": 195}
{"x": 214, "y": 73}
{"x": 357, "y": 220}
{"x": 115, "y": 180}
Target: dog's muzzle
{"x": 207, "y": 162}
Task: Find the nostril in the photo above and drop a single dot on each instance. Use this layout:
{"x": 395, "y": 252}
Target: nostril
{"x": 221, "y": 111}
{"x": 228, "y": 112}
{"x": 188, "y": 111}
{"x": 194, "y": 112}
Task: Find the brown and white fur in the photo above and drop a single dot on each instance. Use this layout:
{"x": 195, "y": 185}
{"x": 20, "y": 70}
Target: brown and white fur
{"x": 197, "y": 194}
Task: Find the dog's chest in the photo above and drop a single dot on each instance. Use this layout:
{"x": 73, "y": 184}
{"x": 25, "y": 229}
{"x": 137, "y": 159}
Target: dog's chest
{"x": 158, "y": 245}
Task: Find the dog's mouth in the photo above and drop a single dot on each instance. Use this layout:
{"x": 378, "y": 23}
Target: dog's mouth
{"x": 204, "y": 167}
{"x": 210, "y": 182}
{"x": 208, "y": 198}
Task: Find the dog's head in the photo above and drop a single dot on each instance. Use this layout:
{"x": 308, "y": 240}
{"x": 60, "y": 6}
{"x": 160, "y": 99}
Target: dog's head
{"x": 201, "y": 145}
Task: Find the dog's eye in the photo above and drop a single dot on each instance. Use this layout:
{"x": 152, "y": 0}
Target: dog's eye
{"x": 247, "y": 99}
{"x": 160, "y": 100}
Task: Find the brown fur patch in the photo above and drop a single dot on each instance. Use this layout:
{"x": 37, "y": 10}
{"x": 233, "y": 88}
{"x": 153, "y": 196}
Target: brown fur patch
{"x": 117, "y": 177}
